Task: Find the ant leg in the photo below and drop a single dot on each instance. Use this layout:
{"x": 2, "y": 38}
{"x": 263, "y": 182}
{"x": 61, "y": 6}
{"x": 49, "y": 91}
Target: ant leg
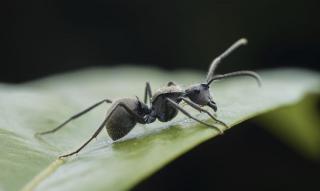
{"x": 147, "y": 92}
{"x": 121, "y": 104}
{"x": 218, "y": 59}
{"x": 200, "y": 109}
{"x": 87, "y": 142}
{"x": 177, "y": 106}
{"x": 74, "y": 117}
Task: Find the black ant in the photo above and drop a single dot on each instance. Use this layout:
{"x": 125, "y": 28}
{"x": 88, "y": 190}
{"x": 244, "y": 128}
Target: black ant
{"x": 125, "y": 113}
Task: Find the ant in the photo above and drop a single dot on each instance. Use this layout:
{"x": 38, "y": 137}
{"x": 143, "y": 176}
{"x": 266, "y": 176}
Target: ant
{"x": 125, "y": 113}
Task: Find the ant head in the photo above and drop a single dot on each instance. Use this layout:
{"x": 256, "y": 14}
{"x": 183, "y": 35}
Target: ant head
{"x": 200, "y": 94}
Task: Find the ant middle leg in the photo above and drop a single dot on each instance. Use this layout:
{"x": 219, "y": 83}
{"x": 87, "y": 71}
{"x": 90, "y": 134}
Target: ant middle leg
{"x": 75, "y": 117}
{"x": 177, "y": 106}
{"x": 200, "y": 109}
{"x": 147, "y": 93}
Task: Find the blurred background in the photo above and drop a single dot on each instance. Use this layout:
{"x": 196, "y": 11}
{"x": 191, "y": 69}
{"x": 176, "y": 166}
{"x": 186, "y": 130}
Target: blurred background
{"x": 42, "y": 37}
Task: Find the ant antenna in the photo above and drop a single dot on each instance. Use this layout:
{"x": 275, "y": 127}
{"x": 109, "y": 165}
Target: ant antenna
{"x": 218, "y": 59}
{"x": 237, "y": 73}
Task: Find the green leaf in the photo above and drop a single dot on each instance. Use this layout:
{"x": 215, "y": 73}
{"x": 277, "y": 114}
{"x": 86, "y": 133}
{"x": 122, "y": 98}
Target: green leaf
{"x": 30, "y": 163}
{"x": 297, "y": 125}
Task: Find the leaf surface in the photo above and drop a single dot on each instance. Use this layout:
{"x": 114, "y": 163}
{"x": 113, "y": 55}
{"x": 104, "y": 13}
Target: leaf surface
{"x": 30, "y": 163}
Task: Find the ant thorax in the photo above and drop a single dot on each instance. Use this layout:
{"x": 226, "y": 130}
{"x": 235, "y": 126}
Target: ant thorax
{"x": 171, "y": 88}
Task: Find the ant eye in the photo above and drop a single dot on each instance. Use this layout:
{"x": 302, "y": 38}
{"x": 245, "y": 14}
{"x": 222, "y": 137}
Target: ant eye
{"x": 197, "y": 91}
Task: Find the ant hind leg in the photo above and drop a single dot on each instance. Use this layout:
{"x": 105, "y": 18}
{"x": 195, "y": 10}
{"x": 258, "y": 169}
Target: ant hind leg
{"x": 121, "y": 104}
{"x": 75, "y": 117}
{"x": 88, "y": 141}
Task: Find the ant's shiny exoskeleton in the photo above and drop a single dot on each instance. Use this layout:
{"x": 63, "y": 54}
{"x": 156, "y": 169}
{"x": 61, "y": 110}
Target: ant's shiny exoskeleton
{"x": 125, "y": 113}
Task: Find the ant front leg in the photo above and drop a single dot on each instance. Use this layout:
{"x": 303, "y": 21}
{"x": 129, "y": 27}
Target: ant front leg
{"x": 200, "y": 109}
{"x": 177, "y": 106}
{"x": 75, "y": 117}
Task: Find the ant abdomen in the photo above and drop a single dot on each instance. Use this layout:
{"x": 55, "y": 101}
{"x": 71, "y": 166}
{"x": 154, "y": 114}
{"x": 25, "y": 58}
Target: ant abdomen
{"x": 121, "y": 122}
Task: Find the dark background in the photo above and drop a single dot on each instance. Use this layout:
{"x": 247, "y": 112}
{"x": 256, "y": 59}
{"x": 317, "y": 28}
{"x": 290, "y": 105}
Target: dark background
{"x": 42, "y": 37}
{"x": 46, "y": 37}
